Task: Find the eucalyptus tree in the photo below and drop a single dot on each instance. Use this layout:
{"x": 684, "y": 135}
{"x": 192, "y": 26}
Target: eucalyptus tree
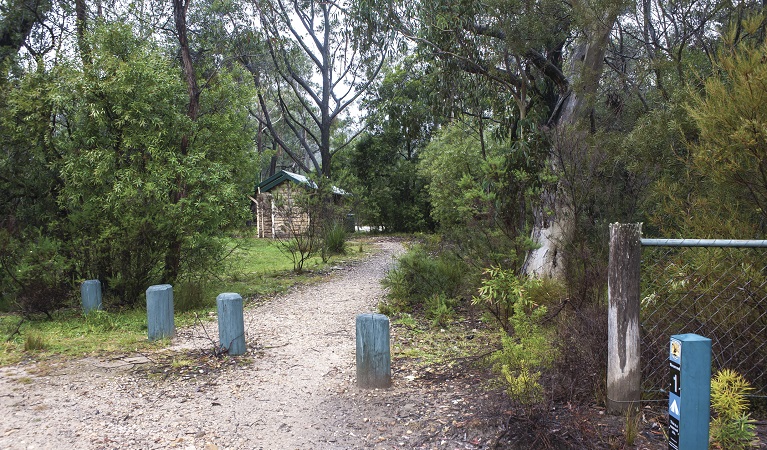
{"x": 341, "y": 65}
{"x": 277, "y": 114}
{"x": 402, "y": 105}
{"x": 659, "y": 47}
{"x": 564, "y": 71}
{"x": 546, "y": 58}
{"x": 660, "y": 56}
{"x": 383, "y": 162}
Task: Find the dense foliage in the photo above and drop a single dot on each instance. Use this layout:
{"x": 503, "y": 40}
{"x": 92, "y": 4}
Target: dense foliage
{"x": 672, "y": 137}
{"x": 517, "y": 131}
{"x": 105, "y": 137}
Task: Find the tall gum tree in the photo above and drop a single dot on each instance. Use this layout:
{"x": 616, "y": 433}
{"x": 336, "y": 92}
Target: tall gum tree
{"x": 342, "y": 67}
{"x": 554, "y": 221}
{"x": 180, "y": 11}
{"x": 547, "y": 57}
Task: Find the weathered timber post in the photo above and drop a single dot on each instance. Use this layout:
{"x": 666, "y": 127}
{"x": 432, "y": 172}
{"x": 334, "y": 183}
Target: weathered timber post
{"x": 623, "y": 340}
{"x": 231, "y": 325}
{"x": 373, "y": 352}
{"x": 90, "y": 291}
{"x": 159, "y": 311}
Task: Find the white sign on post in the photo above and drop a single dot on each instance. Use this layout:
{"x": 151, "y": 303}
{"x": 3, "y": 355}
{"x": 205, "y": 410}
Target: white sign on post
{"x": 675, "y": 392}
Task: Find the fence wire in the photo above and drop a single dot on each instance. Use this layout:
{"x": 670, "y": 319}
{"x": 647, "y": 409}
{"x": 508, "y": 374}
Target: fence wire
{"x": 719, "y": 293}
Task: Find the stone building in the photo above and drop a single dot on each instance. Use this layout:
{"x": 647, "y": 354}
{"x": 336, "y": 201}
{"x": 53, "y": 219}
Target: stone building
{"x": 277, "y": 214}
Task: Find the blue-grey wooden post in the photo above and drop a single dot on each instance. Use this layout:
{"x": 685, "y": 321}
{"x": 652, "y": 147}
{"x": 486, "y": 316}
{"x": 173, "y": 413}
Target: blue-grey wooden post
{"x": 231, "y": 325}
{"x": 159, "y": 311}
{"x": 689, "y": 396}
{"x": 90, "y": 291}
{"x": 373, "y": 352}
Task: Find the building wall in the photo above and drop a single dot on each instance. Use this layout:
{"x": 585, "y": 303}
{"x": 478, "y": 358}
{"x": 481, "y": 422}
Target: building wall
{"x": 264, "y": 215}
{"x": 277, "y": 215}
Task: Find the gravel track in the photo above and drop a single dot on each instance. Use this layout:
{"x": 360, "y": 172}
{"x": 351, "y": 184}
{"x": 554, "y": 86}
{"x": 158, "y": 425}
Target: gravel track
{"x": 283, "y": 395}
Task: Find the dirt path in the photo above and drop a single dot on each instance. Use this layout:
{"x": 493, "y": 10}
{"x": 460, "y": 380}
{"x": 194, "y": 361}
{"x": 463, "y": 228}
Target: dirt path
{"x": 282, "y": 396}
{"x": 295, "y": 389}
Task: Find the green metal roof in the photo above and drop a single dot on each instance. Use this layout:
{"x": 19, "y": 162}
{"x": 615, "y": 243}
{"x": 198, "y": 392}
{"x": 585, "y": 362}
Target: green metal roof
{"x": 283, "y": 175}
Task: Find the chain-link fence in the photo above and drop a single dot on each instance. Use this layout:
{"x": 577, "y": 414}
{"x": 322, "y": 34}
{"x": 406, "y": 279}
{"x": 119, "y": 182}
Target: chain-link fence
{"x": 717, "y": 289}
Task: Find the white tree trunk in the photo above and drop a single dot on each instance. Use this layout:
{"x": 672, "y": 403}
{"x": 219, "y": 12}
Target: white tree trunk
{"x": 553, "y": 233}
{"x": 555, "y": 222}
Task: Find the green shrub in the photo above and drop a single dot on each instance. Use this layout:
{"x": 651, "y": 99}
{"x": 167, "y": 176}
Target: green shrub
{"x": 527, "y": 347}
{"x": 440, "y": 309}
{"x": 190, "y": 295}
{"x": 418, "y": 276}
{"x": 33, "y": 272}
{"x": 387, "y": 308}
{"x": 732, "y": 428}
{"x": 333, "y": 240}
{"x": 35, "y": 340}
{"x": 99, "y": 321}
{"x": 407, "y": 320}
{"x": 500, "y": 291}
{"x": 525, "y": 353}
{"x": 139, "y": 206}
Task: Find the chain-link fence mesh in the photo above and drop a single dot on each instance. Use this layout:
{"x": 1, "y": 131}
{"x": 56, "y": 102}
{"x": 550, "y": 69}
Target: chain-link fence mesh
{"x": 719, "y": 293}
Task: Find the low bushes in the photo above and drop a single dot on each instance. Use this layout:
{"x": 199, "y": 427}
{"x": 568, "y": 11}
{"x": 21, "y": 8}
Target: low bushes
{"x": 333, "y": 240}
{"x": 732, "y": 427}
{"x": 551, "y": 346}
{"x": 419, "y": 276}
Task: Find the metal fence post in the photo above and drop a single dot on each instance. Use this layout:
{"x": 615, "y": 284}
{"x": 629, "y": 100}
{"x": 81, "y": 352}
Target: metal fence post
{"x": 623, "y": 339}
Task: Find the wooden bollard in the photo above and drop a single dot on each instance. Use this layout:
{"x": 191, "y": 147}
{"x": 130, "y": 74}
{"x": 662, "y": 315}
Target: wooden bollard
{"x": 159, "y": 311}
{"x": 373, "y": 352}
{"x": 231, "y": 326}
{"x": 90, "y": 291}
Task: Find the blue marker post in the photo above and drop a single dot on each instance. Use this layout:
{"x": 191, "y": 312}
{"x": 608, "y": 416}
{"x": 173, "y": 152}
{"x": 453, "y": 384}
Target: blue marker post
{"x": 689, "y": 396}
{"x": 373, "y": 351}
{"x": 90, "y": 291}
{"x": 231, "y": 324}
{"x": 159, "y": 311}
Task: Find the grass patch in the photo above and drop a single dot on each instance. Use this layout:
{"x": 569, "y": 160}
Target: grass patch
{"x": 178, "y": 363}
{"x": 255, "y": 268}
{"x": 35, "y": 341}
{"x": 416, "y": 340}
{"x": 70, "y": 333}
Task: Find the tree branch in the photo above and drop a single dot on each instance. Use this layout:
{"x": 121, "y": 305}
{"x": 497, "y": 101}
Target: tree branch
{"x": 276, "y": 136}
